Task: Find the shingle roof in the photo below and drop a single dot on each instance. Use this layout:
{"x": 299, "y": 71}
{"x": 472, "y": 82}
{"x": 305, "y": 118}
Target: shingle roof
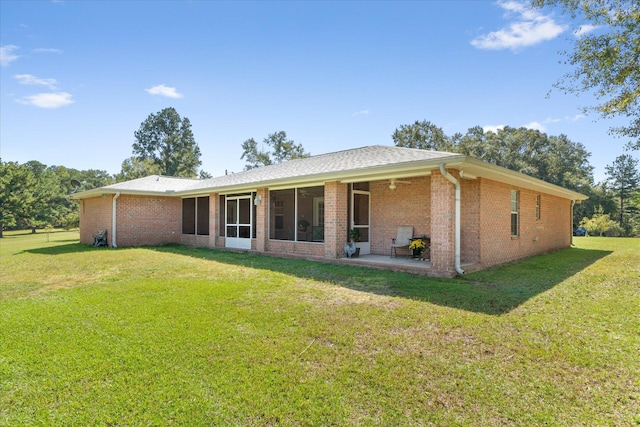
{"x": 366, "y": 163}
{"x": 154, "y": 183}
{"x": 323, "y": 164}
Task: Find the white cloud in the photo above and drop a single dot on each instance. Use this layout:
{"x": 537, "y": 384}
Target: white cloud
{"x": 48, "y": 100}
{"x": 28, "y": 79}
{"x": 361, "y": 113}
{"x": 527, "y": 28}
{"x": 535, "y": 126}
{"x": 46, "y": 50}
{"x": 162, "y": 90}
{"x": 6, "y": 54}
{"x": 492, "y": 128}
{"x": 585, "y": 29}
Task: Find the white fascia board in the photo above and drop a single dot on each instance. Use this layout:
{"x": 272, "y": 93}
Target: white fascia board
{"x": 498, "y": 173}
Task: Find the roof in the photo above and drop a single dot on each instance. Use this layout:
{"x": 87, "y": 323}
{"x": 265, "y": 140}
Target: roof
{"x": 359, "y": 164}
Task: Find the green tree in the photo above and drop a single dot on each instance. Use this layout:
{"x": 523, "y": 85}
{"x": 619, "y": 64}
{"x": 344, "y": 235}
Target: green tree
{"x": 134, "y": 167}
{"x": 555, "y": 159}
{"x": 67, "y": 213}
{"x": 47, "y": 207}
{"x": 600, "y": 224}
{"x": 281, "y": 149}
{"x": 421, "y": 134}
{"x": 167, "y": 141}
{"x": 623, "y": 177}
{"x": 17, "y": 187}
{"x": 607, "y": 60}
{"x": 601, "y": 199}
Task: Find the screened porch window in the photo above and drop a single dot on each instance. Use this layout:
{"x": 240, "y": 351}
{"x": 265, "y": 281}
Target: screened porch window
{"x": 297, "y": 214}
{"x": 195, "y": 216}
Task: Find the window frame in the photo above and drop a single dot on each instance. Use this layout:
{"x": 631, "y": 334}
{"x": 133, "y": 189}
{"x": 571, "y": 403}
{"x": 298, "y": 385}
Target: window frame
{"x": 291, "y": 221}
{"x": 515, "y": 213}
{"x": 195, "y": 215}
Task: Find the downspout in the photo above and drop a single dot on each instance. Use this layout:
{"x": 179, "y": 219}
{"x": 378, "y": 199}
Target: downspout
{"x": 456, "y": 248}
{"x": 113, "y": 221}
{"x": 573, "y": 203}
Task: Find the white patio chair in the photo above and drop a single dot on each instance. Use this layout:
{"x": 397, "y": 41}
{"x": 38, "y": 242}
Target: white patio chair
{"x": 402, "y": 240}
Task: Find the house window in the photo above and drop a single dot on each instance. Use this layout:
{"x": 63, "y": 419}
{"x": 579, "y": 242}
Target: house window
{"x": 538, "y": 206}
{"x": 310, "y": 214}
{"x": 195, "y": 216}
{"x": 297, "y": 214}
{"x": 515, "y": 209}
{"x": 282, "y": 224}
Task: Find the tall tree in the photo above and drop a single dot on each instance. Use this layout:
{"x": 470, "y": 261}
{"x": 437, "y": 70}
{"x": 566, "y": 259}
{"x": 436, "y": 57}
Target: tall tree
{"x": 623, "y": 177}
{"x": 46, "y": 205}
{"x": 17, "y": 185}
{"x": 607, "y": 60}
{"x": 281, "y": 149}
{"x": 166, "y": 140}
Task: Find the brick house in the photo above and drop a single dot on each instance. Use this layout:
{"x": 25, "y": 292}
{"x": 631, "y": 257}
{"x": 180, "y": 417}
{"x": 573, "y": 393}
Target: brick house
{"x": 475, "y": 214}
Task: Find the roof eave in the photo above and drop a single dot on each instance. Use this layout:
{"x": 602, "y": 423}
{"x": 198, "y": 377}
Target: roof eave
{"x": 397, "y": 170}
{"x": 498, "y": 173}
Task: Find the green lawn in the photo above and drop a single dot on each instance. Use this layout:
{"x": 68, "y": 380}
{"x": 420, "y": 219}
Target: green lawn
{"x": 179, "y": 336}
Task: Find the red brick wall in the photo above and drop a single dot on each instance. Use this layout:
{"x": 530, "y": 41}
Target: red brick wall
{"x": 336, "y": 219}
{"x": 95, "y": 214}
{"x": 407, "y": 205}
{"x": 296, "y": 248}
{"x": 442, "y": 226}
{"x": 148, "y": 220}
{"x": 551, "y": 232}
{"x": 469, "y": 221}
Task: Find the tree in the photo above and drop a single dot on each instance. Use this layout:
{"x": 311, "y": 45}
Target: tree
{"x": 421, "y": 134}
{"x": 600, "y": 224}
{"x": 555, "y": 159}
{"x": 17, "y": 185}
{"x": 623, "y": 177}
{"x": 134, "y": 167}
{"x": 606, "y": 60}
{"x": 167, "y": 141}
{"x": 282, "y": 149}
{"x": 601, "y": 199}
{"x": 47, "y": 194}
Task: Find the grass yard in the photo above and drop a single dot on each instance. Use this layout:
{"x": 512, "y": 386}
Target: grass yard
{"x": 181, "y": 336}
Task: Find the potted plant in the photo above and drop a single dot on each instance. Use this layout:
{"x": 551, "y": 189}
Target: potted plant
{"x": 350, "y": 248}
{"x": 417, "y": 246}
{"x": 303, "y": 224}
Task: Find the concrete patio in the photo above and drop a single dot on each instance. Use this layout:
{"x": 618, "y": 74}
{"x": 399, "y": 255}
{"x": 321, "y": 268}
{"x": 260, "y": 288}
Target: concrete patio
{"x": 400, "y": 263}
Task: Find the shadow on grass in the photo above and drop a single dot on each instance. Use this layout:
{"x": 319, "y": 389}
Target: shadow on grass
{"x": 63, "y": 249}
{"x": 494, "y": 291}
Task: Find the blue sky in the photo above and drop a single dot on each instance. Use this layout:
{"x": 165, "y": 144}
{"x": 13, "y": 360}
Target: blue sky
{"x": 79, "y": 77}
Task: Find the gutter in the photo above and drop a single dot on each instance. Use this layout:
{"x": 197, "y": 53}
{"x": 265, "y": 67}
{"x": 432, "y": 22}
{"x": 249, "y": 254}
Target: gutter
{"x": 113, "y": 220}
{"x": 456, "y": 248}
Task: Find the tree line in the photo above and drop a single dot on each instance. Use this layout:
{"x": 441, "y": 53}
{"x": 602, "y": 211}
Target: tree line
{"x": 34, "y": 195}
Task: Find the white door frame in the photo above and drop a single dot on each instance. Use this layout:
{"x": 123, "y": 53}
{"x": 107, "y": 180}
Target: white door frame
{"x": 237, "y": 242}
{"x": 365, "y": 247}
